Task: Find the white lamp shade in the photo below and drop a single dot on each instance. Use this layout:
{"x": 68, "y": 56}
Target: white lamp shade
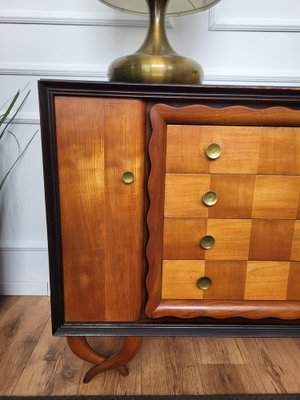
{"x": 176, "y": 7}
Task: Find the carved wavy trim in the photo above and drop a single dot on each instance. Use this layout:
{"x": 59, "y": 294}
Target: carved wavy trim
{"x": 160, "y": 116}
{"x": 228, "y": 309}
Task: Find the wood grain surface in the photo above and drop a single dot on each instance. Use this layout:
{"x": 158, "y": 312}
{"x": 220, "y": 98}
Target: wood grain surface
{"x": 101, "y": 217}
{"x": 182, "y": 238}
{"x": 231, "y": 280}
{"x": 246, "y": 149}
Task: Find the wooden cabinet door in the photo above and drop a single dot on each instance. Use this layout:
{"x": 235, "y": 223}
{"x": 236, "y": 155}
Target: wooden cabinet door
{"x": 237, "y": 256}
{"x": 98, "y": 140}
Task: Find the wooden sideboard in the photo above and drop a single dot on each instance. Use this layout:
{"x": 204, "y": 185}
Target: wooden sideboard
{"x": 171, "y": 210}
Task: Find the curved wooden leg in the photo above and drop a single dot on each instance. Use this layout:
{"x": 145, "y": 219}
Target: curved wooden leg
{"x": 131, "y": 346}
{"x": 80, "y": 347}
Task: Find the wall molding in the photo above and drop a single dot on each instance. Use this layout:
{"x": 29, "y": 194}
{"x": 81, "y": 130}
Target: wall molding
{"x": 35, "y": 17}
{"x": 98, "y": 73}
{"x": 23, "y": 245}
{"x": 61, "y": 70}
{"x": 27, "y": 118}
{"x": 217, "y": 23}
{"x": 260, "y": 78}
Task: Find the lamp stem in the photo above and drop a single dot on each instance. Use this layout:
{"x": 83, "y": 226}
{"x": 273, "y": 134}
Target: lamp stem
{"x": 156, "y": 41}
{"x": 155, "y": 61}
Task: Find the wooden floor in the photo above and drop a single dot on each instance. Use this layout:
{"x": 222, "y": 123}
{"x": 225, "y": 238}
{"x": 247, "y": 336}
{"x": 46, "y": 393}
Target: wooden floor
{"x": 32, "y": 362}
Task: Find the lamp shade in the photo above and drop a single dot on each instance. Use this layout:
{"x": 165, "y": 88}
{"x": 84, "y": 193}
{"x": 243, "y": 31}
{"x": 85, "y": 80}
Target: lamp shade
{"x": 176, "y": 7}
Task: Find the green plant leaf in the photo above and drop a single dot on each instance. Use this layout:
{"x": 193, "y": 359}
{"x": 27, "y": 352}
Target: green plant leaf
{"x": 10, "y": 107}
{"x": 16, "y": 161}
{"x": 15, "y": 113}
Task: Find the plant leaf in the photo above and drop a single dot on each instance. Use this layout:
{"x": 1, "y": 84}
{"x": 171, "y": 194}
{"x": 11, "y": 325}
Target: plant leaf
{"x": 8, "y": 110}
{"x": 16, "y": 112}
{"x": 16, "y": 161}
{"x": 16, "y": 139}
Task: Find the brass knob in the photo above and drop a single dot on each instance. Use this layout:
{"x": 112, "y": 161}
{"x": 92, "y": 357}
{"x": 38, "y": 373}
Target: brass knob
{"x": 204, "y": 283}
{"x": 210, "y": 198}
{"x": 207, "y": 242}
{"x": 213, "y": 151}
{"x": 128, "y": 177}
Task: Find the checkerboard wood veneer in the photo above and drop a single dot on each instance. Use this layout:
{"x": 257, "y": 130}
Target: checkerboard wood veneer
{"x": 251, "y": 228}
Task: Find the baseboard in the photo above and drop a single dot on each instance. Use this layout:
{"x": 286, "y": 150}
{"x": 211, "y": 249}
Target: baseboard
{"x": 24, "y": 268}
{"x": 24, "y": 288}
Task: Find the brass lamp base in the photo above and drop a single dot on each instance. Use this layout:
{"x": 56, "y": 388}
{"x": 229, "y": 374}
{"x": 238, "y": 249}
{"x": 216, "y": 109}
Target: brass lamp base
{"x": 163, "y": 68}
{"x": 156, "y": 61}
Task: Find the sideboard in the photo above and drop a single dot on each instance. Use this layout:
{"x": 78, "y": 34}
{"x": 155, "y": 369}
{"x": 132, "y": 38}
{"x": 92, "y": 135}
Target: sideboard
{"x": 171, "y": 210}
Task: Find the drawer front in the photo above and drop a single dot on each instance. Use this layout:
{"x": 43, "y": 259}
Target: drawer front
{"x": 231, "y": 280}
{"x": 231, "y": 239}
{"x": 238, "y": 196}
{"x": 182, "y": 239}
{"x": 244, "y": 150}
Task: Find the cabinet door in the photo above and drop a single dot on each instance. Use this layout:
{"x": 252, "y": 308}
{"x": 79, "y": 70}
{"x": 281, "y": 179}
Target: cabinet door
{"x": 223, "y": 224}
{"x": 101, "y": 211}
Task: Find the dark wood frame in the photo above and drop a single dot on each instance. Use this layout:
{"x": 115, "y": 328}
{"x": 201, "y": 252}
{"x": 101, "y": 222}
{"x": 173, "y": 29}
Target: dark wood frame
{"x": 173, "y": 95}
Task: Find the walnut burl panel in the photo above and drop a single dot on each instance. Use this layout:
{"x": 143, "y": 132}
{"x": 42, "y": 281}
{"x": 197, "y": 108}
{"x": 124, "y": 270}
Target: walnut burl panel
{"x": 254, "y": 264}
{"x": 101, "y": 217}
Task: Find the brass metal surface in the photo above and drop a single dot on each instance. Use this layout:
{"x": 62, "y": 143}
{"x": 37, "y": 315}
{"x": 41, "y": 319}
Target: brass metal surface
{"x": 128, "y": 177}
{"x": 204, "y": 283}
{"x": 213, "y": 151}
{"x": 155, "y": 61}
{"x": 207, "y": 242}
{"x": 210, "y": 198}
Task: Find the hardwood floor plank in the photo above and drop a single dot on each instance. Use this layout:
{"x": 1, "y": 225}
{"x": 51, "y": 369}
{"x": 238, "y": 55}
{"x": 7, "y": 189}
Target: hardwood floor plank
{"x": 51, "y": 370}
{"x": 6, "y": 302}
{"x": 278, "y": 362}
{"x": 20, "y": 329}
{"x": 221, "y": 379}
{"x": 220, "y": 351}
{"x": 183, "y": 362}
{"x": 157, "y": 373}
{"x": 251, "y": 380}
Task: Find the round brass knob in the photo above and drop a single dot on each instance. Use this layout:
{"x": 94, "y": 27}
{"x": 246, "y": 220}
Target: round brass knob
{"x": 204, "y": 283}
{"x": 210, "y": 199}
{"x": 128, "y": 177}
{"x": 207, "y": 242}
{"x": 213, "y": 151}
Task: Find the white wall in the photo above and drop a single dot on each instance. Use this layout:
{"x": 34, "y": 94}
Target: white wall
{"x": 238, "y": 42}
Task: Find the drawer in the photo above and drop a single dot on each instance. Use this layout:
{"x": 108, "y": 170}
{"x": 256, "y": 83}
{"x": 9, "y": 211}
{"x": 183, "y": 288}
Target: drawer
{"x": 244, "y": 150}
{"x": 233, "y": 239}
{"x": 182, "y": 239}
{"x": 238, "y": 196}
{"x": 230, "y": 280}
